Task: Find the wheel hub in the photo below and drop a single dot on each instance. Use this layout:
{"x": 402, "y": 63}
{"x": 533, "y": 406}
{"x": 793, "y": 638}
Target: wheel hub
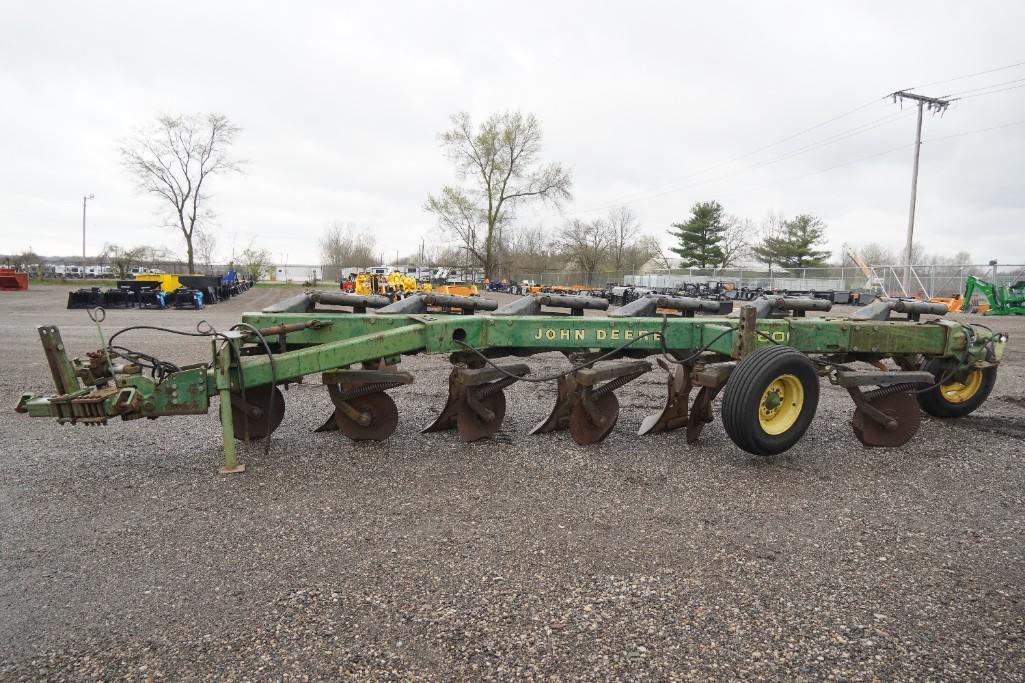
{"x": 959, "y": 392}
{"x": 781, "y": 404}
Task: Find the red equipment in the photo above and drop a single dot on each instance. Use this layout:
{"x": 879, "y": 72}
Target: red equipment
{"x": 12, "y": 281}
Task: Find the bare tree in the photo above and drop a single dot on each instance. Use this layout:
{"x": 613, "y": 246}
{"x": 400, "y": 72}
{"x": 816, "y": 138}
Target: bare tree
{"x": 624, "y": 231}
{"x": 586, "y": 244}
{"x": 661, "y": 255}
{"x": 500, "y": 158}
{"x": 642, "y": 251}
{"x": 736, "y": 241}
{"x": 173, "y": 160}
{"x": 875, "y": 254}
{"x": 206, "y": 244}
{"x": 341, "y": 247}
{"x": 121, "y": 259}
{"x": 530, "y": 250}
{"x": 335, "y": 246}
{"x": 25, "y": 259}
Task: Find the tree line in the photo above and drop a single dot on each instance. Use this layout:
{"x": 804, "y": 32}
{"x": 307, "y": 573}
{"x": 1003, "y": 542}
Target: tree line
{"x": 711, "y": 238}
{"x": 499, "y": 171}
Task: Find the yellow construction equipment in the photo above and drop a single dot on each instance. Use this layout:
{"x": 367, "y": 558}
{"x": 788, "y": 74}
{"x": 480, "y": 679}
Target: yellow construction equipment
{"x": 168, "y": 283}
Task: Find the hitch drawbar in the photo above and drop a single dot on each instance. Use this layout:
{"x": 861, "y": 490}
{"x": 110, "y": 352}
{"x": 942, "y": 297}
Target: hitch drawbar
{"x": 764, "y": 361}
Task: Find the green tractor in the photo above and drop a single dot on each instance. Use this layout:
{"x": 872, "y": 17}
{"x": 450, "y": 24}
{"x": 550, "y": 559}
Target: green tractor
{"x": 1003, "y": 300}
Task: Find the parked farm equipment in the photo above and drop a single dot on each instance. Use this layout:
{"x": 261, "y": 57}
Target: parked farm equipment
{"x": 1001, "y": 300}
{"x": 766, "y": 359}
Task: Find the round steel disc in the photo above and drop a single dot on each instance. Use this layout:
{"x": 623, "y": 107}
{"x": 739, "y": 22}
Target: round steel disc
{"x": 252, "y": 428}
{"x": 384, "y": 417}
{"x": 584, "y": 430}
{"x": 472, "y": 427}
{"x": 902, "y": 407}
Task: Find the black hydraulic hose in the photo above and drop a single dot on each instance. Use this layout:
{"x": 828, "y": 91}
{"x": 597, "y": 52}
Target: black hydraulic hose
{"x": 273, "y": 377}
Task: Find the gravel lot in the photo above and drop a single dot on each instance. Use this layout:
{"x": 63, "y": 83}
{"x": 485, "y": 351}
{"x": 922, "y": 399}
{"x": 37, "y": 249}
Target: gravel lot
{"x": 123, "y": 554}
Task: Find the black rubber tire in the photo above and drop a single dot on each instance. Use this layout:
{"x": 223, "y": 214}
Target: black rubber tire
{"x": 934, "y": 403}
{"x": 743, "y": 393}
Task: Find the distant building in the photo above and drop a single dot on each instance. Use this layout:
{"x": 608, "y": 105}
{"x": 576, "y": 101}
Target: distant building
{"x": 300, "y": 274}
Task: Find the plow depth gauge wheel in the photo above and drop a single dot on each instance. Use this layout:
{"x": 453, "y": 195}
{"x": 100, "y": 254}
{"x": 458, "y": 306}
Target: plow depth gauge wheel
{"x": 770, "y": 400}
{"x": 956, "y": 398}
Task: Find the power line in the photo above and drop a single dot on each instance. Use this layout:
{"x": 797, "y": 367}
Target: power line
{"x": 992, "y": 92}
{"x": 891, "y": 151}
{"x": 961, "y": 78}
{"x": 629, "y": 199}
{"x": 676, "y": 186}
{"x": 986, "y": 87}
{"x": 671, "y": 188}
{"x": 973, "y": 132}
{"x": 783, "y": 157}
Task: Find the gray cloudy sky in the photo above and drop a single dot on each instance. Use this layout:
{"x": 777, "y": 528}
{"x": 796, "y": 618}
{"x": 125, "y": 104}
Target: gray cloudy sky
{"x": 341, "y": 104}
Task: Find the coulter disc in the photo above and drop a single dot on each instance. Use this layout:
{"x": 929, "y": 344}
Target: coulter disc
{"x": 384, "y": 418}
{"x": 472, "y": 426}
{"x": 902, "y": 407}
{"x": 250, "y": 427}
{"x": 584, "y": 429}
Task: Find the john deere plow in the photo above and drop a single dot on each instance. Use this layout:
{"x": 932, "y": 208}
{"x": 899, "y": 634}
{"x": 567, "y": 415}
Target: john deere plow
{"x": 766, "y": 359}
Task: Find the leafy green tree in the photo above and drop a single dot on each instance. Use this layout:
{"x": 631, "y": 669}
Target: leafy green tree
{"x": 794, "y": 245}
{"x": 701, "y": 238}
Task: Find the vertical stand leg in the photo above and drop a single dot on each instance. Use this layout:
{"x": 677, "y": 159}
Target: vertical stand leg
{"x": 223, "y": 374}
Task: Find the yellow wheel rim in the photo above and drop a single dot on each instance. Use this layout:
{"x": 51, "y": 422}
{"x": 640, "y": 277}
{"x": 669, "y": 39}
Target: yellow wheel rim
{"x": 781, "y": 404}
{"x": 959, "y": 392}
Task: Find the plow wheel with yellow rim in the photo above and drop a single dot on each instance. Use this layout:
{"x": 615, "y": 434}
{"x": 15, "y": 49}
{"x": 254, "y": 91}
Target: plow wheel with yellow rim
{"x": 770, "y": 400}
{"x": 957, "y": 396}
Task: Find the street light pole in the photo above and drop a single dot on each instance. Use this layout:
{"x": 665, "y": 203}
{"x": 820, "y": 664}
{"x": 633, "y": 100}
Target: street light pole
{"x": 85, "y": 198}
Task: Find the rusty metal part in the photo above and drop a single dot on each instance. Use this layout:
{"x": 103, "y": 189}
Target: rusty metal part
{"x": 470, "y": 395}
{"x": 710, "y": 381}
{"x": 593, "y": 417}
{"x": 886, "y": 418}
{"x": 249, "y": 415}
{"x": 479, "y": 418}
{"x": 372, "y": 417}
{"x": 564, "y": 401}
{"x": 674, "y": 414}
{"x": 275, "y": 330}
{"x": 701, "y": 412}
{"x": 582, "y": 400}
{"x": 363, "y": 411}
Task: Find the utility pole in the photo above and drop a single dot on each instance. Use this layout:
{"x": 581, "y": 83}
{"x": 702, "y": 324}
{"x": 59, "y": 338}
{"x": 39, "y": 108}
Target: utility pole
{"x": 934, "y": 104}
{"x": 85, "y": 198}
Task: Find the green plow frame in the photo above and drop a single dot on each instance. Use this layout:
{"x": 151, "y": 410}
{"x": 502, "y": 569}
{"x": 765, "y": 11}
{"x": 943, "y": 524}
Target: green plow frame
{"x": 358, "y": 354}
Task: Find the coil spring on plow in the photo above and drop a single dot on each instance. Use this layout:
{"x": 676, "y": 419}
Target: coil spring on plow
{"x": 887, "y": 417}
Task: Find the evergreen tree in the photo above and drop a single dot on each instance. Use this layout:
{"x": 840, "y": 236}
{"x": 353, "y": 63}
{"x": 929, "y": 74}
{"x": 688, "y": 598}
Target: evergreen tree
{"x": 700, "y": 238}
{"x": 794, "y": 247}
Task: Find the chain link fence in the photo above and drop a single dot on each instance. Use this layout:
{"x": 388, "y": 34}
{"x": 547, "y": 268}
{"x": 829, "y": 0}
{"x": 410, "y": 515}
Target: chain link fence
{"x": 927, "y": 280}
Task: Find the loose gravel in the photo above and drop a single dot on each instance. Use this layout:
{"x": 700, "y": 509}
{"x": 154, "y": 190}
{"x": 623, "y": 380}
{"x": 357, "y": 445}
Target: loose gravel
{"x": 124, "y": 555}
